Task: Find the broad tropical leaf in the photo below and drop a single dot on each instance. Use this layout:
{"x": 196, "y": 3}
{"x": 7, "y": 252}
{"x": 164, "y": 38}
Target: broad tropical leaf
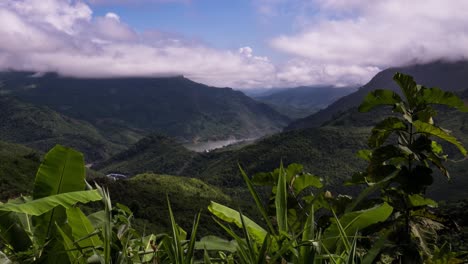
{"x": 81, "y": 228}
{"x": 70, "y": 248}
{"x": 304, "y": 181}
{"x": 97, "y": 219}
{"x": 438, "y": 96}
{"x": 355, "y": 221}
{"x": 408, "y": 86}
{"x": 40, "y": 206}
{"x": 61, "y": 171}
{"x": 416, "y": 200}
{"x": 426, "y": 128}
{"x": 232, "y": 216}
{"x": 379, "y": 98}
{"x": 214, "y": 243}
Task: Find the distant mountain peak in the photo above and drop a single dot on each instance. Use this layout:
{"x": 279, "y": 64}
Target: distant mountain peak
{"x": 176, "y": 106}
{"x": 449, "y": 76}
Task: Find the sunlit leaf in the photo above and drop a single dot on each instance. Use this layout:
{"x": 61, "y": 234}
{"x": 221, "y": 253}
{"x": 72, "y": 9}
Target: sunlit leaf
{"x": 426, "y": 128}
{"x": 40, "y": 206}
{"x": 216, "y": 244}
{"x": 232, "y": 216}
{"x": 304, "y": 181}
{"x": 379, "y": 98}
{"x": 62, "y": 171}
{"x": 417, "y": 200}
{"x": 408, "y": 86}
{"x": 81, "y": 228}
{"x": 355, "y": 221}
{"x": 438, "y": 96}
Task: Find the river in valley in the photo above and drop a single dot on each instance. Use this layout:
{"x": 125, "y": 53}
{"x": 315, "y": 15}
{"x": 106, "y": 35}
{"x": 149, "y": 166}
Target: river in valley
{"x": 206, "y": 146}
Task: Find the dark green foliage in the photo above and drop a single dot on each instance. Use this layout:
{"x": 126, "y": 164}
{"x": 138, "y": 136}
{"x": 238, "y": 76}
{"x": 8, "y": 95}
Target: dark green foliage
{"x": 145, "y": 195}
{"x": 58, "y": 186}
{"x": 174, "y": 106}
{"x": 402, "y": 167}
{"x": 405, "y": 151}
{"x": 328, "y": 151}
{"x": 42, "y": 128}
{"x": 154, "y": 153}
{"x": 18, "y": 165}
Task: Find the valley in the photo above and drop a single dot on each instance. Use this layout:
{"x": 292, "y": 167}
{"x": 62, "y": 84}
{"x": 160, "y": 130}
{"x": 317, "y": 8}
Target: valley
{"x": 206, "y": 146}
{"x": 159, "y": 161}
{"x": 129, "y": 148}
{"x": 233, "y": 132}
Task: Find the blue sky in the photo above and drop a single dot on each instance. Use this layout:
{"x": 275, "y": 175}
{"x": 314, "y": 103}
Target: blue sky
{"x": 231, "y": 43}
{"x": 223, "y": 24}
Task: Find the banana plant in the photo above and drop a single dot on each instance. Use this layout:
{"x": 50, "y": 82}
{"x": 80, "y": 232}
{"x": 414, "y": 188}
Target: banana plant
{"x": 29, "y": 226}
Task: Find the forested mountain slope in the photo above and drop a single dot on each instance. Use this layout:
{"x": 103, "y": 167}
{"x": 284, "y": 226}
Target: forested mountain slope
{"x": 42, "y": 128}
{"x": 448, "y": 76}
{"x": 300, "y": 102}
{"x": 174, "y": 106}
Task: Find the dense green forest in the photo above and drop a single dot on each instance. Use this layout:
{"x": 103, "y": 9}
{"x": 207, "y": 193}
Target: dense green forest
{"x": 173, "y": 106}
{"x": 380, "y": 214}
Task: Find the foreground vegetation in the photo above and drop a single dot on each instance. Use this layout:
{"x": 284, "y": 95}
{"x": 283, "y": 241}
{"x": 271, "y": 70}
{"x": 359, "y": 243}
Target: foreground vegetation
{"x": 390, "y": 221}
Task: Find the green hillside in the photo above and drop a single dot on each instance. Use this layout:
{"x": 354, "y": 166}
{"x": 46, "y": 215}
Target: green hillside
{"x": 42, "y": 128}
{"x": 18, "y": 166}
{"x": 174, "y": 106}
{"x": 155, "y": 153}
{"x": 327, "y": 152}
{"x": 448, "y": 76}
{"x": 145, "y": 194}
{"x": 300, "y": 102}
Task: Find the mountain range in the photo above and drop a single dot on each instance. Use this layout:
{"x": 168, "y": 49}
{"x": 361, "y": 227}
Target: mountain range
{"x": 450, "y": 76}
{"x": 174, "y": 106}
{"x": 100, "y": 118}
{"x": 328, "y": 150}
{"x": 303, "y": 101}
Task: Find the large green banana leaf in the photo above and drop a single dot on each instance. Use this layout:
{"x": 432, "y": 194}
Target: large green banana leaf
{"x": 41, "y": 206}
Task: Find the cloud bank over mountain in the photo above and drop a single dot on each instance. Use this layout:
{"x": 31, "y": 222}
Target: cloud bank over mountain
{"x": 63, "y": 36}
{"x": 335, "y": 42}
{"x": 362, "y": 35}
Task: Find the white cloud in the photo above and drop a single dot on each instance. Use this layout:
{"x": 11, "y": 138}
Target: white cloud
{"x": 109, "y": 27}
{"x": 343, "y": 42}
{"x": 62, "y": 15}
{"x": 126, "y": 2}
{"x": 359, "y": 36}
{"x": 114, "y": 16}
{"x": 63, "y": 36}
